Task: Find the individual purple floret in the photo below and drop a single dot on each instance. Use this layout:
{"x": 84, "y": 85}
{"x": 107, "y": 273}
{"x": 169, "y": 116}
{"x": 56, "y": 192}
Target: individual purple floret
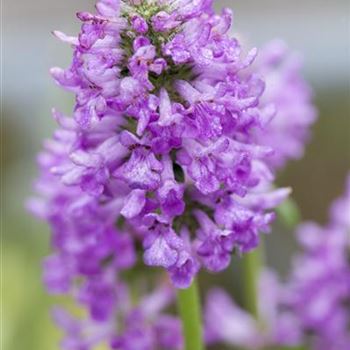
{"x": 287, "y": 101}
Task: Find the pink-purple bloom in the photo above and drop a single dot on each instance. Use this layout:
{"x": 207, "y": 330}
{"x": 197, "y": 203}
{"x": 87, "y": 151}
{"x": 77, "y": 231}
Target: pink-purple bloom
{"x": 162, "y": 139}
{"x": 165, "y": 157}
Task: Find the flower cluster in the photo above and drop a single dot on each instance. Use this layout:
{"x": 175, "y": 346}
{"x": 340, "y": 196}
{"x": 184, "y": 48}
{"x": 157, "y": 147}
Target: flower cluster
{"x": 312, "y": 307}
{"x": 161, "y": 149}
{"x": 169, "y": 155}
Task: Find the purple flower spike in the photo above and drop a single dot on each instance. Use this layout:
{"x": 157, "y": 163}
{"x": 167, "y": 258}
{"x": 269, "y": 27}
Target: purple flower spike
{"x": 167, "y": 155}
{"x": 170, "y": 121}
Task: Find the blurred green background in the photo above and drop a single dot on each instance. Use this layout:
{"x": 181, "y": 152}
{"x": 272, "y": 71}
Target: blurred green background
{"x": 318, "y": 28}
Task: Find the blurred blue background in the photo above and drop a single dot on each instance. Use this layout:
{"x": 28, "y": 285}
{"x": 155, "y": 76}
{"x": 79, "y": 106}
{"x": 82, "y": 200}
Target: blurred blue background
{"x": 320, "y": 29}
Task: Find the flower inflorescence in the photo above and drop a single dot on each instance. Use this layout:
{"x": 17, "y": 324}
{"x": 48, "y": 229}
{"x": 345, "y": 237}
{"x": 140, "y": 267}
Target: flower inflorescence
{"x": 166, "y": 154}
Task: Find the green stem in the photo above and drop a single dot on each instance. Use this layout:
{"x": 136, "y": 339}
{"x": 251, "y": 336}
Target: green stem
{"x": 251, "y": 263}
{"x": 289, "y": 213}
{"x": 190, "y": 312}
